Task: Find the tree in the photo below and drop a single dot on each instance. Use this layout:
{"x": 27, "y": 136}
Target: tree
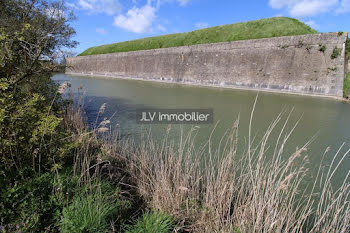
{"x": 31, "y": 34}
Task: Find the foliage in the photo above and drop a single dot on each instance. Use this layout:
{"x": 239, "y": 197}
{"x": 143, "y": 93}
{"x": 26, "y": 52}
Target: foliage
{"x": 33, "y": 204}
{"x": 336, "y": 52}
{"x": 347, "y": 86}
{"x": 265, "y": 28}
{"x": 93, "y": 210}
{"x": 153, "y": 222}
{"x": 31, "y": 33}
{"x": 32, "y": 131}
{"x": 322, "y": 48}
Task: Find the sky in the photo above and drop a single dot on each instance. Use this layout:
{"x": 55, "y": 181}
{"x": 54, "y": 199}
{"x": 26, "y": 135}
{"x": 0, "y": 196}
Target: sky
{"x": 110, "y": 21}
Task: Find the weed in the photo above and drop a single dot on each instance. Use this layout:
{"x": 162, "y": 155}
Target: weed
{"x": 283, "y": 46}
{"x": 333, "y": 68}
{"x": 153, "y": 222}
{"x": 300, "y": 44}
{"x": 322, "y": 48}
{"x": 336, "y": 52}
{"x": 308, "y": 48}
{"x": 216, "y": 190}
{"x": 93, "y": 210}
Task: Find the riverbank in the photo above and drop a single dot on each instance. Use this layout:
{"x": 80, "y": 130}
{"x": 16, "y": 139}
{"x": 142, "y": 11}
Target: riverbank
{"x": 62, "y": 172}
{"x": 114, "y": 185}
{"x": 217, "y": 190}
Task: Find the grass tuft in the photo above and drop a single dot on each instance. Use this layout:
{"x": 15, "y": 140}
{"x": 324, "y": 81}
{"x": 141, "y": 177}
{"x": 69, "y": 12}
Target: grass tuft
{"x": 93, "y": 210}
{"x": 152, "y": 223}
{"x": 336, "y": 52}
{"x": 264, "y": 28}
{"x": 322, "y": 48}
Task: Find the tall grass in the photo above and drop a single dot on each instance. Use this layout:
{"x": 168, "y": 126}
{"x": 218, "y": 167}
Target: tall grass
{"x": 93, "y": 210}
{"x": 152, "y": 222}
{"x": 264, "y": 28}
{"x": 214, "y": 189}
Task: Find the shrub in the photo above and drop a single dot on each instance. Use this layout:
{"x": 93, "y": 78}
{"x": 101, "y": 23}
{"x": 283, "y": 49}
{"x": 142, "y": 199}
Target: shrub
{"x": 31, "y": 126}
{"x": 153, "y": 223}
{"x": 336, "y": 52}
{"x": 28, "y": 205}
{"x": 322, "y": 48}
{"x": 93, "y": 210}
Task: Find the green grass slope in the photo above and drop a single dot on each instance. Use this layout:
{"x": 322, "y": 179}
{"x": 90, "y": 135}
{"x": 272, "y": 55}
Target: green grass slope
{"x": 264, "y": 28}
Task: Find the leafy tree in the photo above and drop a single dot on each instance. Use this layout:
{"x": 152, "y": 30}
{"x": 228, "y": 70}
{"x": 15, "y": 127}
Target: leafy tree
{"x": 32, "y": 132}
{"x": 31, "y": 33}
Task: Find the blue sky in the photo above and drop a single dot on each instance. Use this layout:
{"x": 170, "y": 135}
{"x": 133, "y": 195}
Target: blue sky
{"x": 109, "y": 21}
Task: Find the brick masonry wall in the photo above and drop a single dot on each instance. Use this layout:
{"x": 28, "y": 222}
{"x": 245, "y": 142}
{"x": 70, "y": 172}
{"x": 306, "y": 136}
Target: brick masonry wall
{"x": 286, "y": 64}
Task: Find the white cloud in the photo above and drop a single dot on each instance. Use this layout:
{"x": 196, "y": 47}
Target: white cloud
{"x": 101, "y": 31}
{"x": 160, "y": 2}
{"x": 109, "y": 7}
{"x": 312, "y": 24}
{"x": 161, "y": 28}
{"x": 201, "y": 25}
{"x": 308, "y": 8}
{"x": 278, "y": 4}
{"x": 137, "y": 20}
{"x": 85, "y": 5}
{"x": 183, "y": 2}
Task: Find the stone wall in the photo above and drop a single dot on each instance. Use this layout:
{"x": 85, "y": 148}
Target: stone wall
{"x": 293, "y": 64}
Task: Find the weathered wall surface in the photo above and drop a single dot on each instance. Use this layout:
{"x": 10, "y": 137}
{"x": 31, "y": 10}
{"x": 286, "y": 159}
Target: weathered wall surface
{"x": 286, "y": 64}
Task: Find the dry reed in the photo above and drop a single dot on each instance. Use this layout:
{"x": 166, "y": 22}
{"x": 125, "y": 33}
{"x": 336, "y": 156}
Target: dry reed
{"x": 213, "y": 189}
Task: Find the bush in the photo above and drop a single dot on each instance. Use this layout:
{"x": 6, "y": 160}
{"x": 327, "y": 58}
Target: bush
{"x": 97, "y": 206}
{"x": 153, "y": 223}
{"x": 28, "y": 205}
{"x": 322, "y": 48}
{"x": 336, "y": 52}
{"x": 31, "y": 124}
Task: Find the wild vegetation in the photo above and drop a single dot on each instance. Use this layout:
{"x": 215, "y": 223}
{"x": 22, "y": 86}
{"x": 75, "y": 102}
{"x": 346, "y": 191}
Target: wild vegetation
{"x": 347, "y": 86}
{"x": 47, "y": 154}
{"x": 58, "y": 175}
{"x": 264, "y": 28}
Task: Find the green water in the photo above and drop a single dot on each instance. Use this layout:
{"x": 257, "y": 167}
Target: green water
{"x": 328, "y": 119}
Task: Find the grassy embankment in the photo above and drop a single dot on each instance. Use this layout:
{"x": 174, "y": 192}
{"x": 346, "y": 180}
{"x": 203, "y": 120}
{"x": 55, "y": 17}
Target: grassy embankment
{"x": 264, "y": 28}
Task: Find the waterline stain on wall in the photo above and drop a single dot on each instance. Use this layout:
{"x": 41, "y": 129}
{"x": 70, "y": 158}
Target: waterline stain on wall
{"x": 293, "y": 64}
